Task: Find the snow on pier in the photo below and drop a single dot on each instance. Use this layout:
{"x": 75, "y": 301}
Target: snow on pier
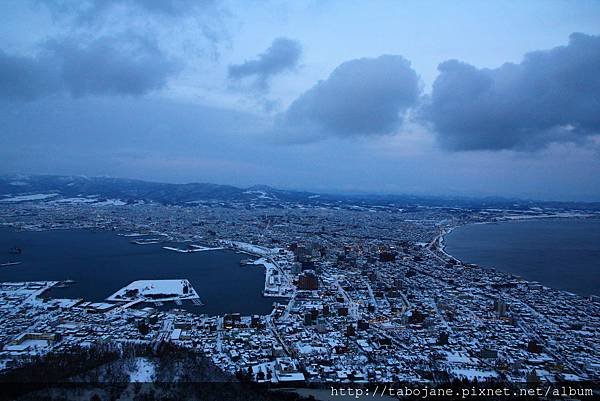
{"x": 192, "y": 248}
{"x": 155, "y": 291}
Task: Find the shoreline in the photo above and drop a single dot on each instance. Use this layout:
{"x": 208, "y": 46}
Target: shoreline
{"x": 122, "y": 237}
{"x": 439, "y": 243}
{"x": 440, "y": 239}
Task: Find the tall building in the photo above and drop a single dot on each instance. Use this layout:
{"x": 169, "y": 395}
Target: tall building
{"x": 308, "y": 280}
{"x": 500, "y": 307}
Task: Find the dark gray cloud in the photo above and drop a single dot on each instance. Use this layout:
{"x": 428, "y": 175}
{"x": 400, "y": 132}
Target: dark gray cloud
{"x": 26, "y": 78}
{"x": 169, "y": 7}
{"x": 116, "y": 65}
{"x": 366, "y": 96}
{"x": 202, "y": 18}
{"x": 283, "y": 55}
{"x": 551, "y": 95}
{"x": 92, "y": 10}
{"x": 129, "y": 65}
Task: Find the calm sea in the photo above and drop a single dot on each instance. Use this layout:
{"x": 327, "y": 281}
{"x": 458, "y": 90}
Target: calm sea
{"x": 559, "y": 253}
{"x": 103, "y": 262}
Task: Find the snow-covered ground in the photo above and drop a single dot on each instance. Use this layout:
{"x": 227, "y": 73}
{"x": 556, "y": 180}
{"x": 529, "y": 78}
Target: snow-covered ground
{"x": 250, "y": 248}
{"x": 74, "y": 201}
{"x": 55, "y": 198}
{"x": 471, "y": 374}
{"x": 261, "y": 194}
{"x": 91, "y": 200}
{"x": 276, "y": 374}
{"x": 111, "y": 202}
{"x": 194, "y": 248}
{"x": 277, "y": 283}
{"x": 25, "y": 198}
{"x": 547, "y": 216}
{"x": 143, "y": 371}
{"x": 155, "y": 290}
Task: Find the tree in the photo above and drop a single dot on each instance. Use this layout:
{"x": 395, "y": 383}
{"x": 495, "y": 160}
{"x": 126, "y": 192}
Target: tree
{"x": 249, "y": 374}
{"x": 143, "y": 328}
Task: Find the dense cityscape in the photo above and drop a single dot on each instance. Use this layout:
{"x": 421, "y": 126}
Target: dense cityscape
{"x": 308, "y": 200}
{"x": 362, "y": 294}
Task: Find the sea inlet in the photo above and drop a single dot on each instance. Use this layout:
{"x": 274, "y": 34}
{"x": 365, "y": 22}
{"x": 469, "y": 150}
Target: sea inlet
{"x": 102, "y": 262}
{"x": 559, "y": 253}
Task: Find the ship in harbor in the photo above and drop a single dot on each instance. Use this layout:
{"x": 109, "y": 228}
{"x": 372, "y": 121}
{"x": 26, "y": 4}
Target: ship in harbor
{"x": 64, "y": 284}
{"x": 15, "y": 250}
{"x": 146, "y": 241}
{"x": 10, "y": 263}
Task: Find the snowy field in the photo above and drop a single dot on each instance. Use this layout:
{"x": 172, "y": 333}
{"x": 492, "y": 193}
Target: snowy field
{"x": 55, "y": 198}
{"x": 143, "y": 371}
{"x": 25, "y": 198}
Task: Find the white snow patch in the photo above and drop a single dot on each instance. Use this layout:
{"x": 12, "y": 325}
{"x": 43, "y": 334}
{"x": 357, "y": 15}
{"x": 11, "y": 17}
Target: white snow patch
{"x": 142, "y": 372}
{"x": 471, "y": 374}
{"x": 261, "y": 194}
{"x": 111, "y": 202}
{"x": 192, "y": 248}
{"x": 24, "y": 198}
{"x": 250, "y": 248}
{"x": 75, "y": 200}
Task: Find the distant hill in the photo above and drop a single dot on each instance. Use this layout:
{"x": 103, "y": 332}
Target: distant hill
{"x": 26, "y": 187}
{"x": 119, "y": 191}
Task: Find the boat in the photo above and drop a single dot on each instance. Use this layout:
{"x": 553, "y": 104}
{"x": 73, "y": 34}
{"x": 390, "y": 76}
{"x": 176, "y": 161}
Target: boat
{"x": 15, "y": 250}
{"x": 10, "y": 264}
{"x": 147, "y": 241}
{"x": 65, "y": 283}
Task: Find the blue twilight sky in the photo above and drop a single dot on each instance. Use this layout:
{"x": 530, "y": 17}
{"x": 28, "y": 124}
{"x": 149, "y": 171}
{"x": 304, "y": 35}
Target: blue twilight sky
{"x": 424, "y": 97}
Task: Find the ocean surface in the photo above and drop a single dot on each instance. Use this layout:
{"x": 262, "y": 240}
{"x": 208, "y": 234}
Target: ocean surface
{"x": 102, "y": 262}
{"x": 559, "y": 253}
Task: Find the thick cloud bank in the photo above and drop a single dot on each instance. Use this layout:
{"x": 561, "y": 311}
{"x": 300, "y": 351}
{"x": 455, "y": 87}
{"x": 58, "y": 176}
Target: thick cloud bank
{"x": 87, "y": 11}
{"x": 283, "y": 55}
{"x": 27, "y": 78}
{"x": 551, "y": 95}
{"x": 367, "y": 96}
{"x": 125, "y": 65}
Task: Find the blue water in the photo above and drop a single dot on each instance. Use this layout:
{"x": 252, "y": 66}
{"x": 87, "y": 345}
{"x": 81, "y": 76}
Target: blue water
{"x": 102, "y": 262}
{"x": 559, "y": 253}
